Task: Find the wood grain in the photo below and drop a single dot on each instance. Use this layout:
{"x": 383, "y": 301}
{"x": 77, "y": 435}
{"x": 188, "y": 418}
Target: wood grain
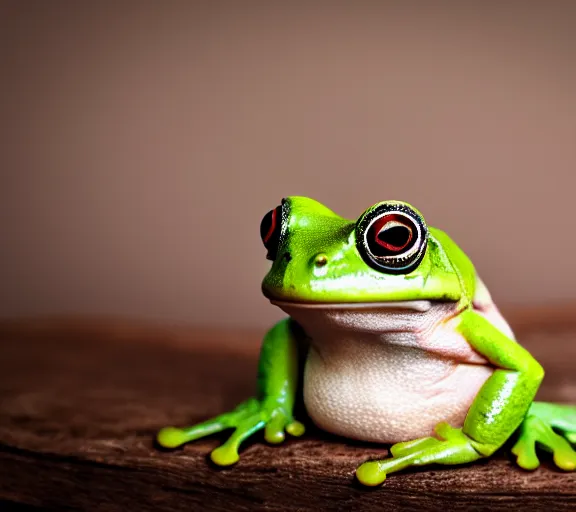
{"x": 80, "y": 402}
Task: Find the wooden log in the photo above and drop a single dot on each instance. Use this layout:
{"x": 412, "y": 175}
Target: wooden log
{"x": 80, "y": 402}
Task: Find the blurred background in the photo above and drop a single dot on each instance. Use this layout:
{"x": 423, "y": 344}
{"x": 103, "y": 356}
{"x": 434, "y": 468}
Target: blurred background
{"x": 142, "y": 142}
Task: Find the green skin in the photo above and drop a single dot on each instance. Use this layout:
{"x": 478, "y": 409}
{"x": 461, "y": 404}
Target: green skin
{"x": 504, "y": 406}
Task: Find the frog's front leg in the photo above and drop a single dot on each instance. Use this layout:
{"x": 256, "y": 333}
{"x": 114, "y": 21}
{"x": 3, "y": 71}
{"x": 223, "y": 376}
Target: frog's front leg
{"x": 495, "y": 414}
{"x": 272, "y": 410}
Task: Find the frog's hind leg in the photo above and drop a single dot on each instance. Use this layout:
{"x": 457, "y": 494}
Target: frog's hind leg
{"x": 551, "y": 427}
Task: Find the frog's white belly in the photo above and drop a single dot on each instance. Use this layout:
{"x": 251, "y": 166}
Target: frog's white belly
{"x": 387, "y": 375}
{"x": 388, "y": 395}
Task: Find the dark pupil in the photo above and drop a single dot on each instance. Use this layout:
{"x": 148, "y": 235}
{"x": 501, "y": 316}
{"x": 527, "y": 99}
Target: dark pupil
{"x": 396, "y": 236}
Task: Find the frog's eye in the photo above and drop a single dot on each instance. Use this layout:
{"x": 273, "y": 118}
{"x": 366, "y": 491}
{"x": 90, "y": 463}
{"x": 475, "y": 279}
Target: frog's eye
{"x": 270, "y": 230}
{"x": 392, "y": 237}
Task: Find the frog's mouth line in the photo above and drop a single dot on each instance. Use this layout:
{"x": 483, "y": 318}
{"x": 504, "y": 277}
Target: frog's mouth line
{"x": 412, "y": 305}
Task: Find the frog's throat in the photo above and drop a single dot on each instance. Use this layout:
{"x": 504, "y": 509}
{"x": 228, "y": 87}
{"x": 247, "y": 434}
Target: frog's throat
{"x": 411, "y": 305}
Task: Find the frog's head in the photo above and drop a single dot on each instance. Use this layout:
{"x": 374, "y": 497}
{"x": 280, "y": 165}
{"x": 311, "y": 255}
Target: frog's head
{"x": 389, "y": 254}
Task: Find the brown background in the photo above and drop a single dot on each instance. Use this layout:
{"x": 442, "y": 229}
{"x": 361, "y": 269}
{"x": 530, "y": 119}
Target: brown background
{"x": 141, "y": 143}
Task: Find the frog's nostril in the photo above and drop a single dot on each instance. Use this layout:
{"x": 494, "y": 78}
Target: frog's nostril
{"x": 287, "y": 256}
{"x": 320, "y": 260}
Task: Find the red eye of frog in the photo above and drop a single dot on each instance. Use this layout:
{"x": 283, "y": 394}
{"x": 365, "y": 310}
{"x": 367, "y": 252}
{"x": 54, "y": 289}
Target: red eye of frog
{"x": 270, "y": 229}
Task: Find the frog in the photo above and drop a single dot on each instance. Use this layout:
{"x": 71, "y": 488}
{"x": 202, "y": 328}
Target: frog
{"x": 390, "y": 337}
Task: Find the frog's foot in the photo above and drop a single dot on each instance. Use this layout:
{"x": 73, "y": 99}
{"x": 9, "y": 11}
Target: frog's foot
{"x": 535, "y": 431}
{"x": 451, "y": 447}
{"x": 248, "y": 418}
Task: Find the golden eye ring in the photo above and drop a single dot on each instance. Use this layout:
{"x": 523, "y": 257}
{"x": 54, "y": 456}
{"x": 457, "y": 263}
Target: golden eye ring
{"x": 320, "y": 260}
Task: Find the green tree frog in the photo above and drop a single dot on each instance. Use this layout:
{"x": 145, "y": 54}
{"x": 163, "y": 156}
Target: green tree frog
{"x": 391, "y": 337}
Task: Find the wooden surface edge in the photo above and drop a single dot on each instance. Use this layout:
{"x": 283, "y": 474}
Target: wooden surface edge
{"x": 68, "y": 442}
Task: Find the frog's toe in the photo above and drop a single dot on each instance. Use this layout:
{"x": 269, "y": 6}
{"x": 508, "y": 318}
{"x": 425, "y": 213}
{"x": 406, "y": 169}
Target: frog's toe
{"x": 565, "y": 460}
{"x": 525, "y": 451}
{"x": 171, "y": 437}
{"x": 276, "y": 427}
{"x": 444, "y": 432}
{"x": 535, "y": 431}
{"x": 371, "y": 473}
{"x": 564, "y": 454}
{"x": 409, "y": 447}
{"x": 274, "y": 431}
{"x": 295, "y": 428}
{"x": 225, "y": 455}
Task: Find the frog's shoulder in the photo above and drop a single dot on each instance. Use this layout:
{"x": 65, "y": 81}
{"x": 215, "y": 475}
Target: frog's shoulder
{"x": 484, "y": 304}
{"x": 472, "y": 284}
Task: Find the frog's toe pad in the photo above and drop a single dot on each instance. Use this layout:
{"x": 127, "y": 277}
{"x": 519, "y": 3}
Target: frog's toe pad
{"x": 171, "y": 437}
{"x": 370, "y": 474}
{"x": 295, "y": 429}
{"x": 565, "y": 457}
{"x": 225, "y": 455}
